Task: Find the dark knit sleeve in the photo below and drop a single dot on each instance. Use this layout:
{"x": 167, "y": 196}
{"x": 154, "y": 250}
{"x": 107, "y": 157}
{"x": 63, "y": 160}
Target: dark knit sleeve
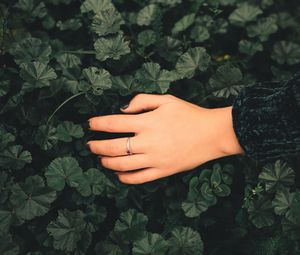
{"x": 266, "y": 119}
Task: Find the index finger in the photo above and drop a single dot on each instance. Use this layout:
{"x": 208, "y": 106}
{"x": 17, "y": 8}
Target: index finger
{"x": 118, "y": 123}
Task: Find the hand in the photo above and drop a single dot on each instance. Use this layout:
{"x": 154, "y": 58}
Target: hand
{"x": 172, "y": 136}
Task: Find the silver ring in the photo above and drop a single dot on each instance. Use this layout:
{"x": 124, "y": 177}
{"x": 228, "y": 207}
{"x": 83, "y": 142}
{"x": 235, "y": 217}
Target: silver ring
{"x": 128, "y": 147}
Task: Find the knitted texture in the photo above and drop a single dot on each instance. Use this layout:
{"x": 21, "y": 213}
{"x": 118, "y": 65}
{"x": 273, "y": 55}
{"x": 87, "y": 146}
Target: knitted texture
{"x": 266, "y": 120}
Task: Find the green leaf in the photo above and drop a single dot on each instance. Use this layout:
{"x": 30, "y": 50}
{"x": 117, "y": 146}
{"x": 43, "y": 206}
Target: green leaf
{"x": 5, "y": 221}
{"x": 151, "y": 244}
{"x": 226, "y": 81}
{"x": 216, "y": 176}
{"x": 67, "y": 130}
{"x": 46, "y": 137}
{"x": 108, "y": 248}
{"x": 286, "y": 52}
{"x": 5, "y": 183}
{"x": 98, "y": 79}
{"x": 94, "y": 215}
{"x": 194, "y": 207}
{"x": 29, "y": 50}
{"x": 261, "y": 212}
{"x": 152, "y": 79}
{"x": 4, "y": 88}
{"x": 113, "y": 47}
{"x": 107, "y": 22}
{"x": 146, "y": 15}
{"x": 207, "y": 192}
{"x": 184, "y": 23}
{"x": 32, "y": 7}
{"x": 200, "y": 34}
{"x": 125, "y": 84}
{"x": 263, "y": 29}
{"x": 67, "y": 60}
{"x": 67, "y": 229}
{"x": 191, "y": 61}
{"x": 15, "y": 157}
{"x": 95, "y": 6}
{"x": 92, "y": 182}
{"x": 37, "y": 75}
{"x": 8, "y": 246}
{"x": 222, "y": 190}
{"x": 31, "y": 198}
{"x": 283, "y": 201}
{"x": 146, "y": 37}
{"x": 185, "y": 241}
{"x": 244, "y": 14}
{"x": 277, "y": 175}
{"x": 131, "y": 225}
{"x": 250, "y": 48}
{"x": 61, "y": 171}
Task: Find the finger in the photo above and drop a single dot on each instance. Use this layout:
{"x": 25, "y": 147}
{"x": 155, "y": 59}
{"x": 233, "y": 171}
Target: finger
{"x": 141, "y": 176}
{"x": 117, "y": 146}
{"x": 117, "y": 123}
{"x": 125, "y": 163}
{"x": 146, "y": 102}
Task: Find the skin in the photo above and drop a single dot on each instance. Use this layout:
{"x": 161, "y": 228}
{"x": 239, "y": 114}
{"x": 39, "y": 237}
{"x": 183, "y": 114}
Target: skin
{"x": 171, "y": 135}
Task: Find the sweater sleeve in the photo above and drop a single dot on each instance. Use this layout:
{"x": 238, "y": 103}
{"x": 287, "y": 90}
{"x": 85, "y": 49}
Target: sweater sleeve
{"x": 266, "y": 120}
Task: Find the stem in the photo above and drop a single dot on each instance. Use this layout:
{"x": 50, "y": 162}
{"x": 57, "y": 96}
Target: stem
{"x": 62, "y": 104}
{"x": 79, "y": 51}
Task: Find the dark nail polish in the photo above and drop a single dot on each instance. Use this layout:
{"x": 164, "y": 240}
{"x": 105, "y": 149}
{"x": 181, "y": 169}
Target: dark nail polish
{"x": 124, "y": 106}
{"x": 88, "y": 146}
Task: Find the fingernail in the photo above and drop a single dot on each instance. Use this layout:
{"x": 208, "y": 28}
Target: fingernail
{"x": 88, "y": 146}
{"x": 99, "y": 156}
{"x": 124, "y": 106}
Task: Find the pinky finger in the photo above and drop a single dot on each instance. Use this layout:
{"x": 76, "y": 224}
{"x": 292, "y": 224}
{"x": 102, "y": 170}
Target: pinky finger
{"x": 141, "y": 176}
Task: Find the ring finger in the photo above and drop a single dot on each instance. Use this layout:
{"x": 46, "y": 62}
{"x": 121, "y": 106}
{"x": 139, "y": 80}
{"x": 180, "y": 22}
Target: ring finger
{"x": 117, "y": 146}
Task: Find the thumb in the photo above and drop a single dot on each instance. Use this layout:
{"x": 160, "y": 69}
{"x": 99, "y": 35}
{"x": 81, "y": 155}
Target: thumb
{"x": 146, "y": 102}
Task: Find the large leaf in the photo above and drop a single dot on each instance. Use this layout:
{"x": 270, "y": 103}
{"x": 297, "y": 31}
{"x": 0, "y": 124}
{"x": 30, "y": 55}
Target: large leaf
{"x": 185, "y": 241}
{"x": 31, "y": 198}
{"x": 95, "y": 6}
{"x": 244, "y": 14}
{"x": 113, "y": 47}
{"x": 106, "y": 22}
{"x": 146, "y": 15}
{"x": 152, "y": 79}
{"x": 286, "y": 52}
{"x": 283, "y": 201}
{"x": 263, "y": 29}
{"x": 191, "y": 61}
{"x": 277, "y": 175}
{"x": 29, "y": 50}
{"x": 61, "y": 171}
{"x": 37, "y": 74}
{"x": 67, "y": 229}
{"x": 151, "y": 244}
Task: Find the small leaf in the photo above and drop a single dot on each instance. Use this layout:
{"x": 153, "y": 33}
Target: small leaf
{"x": 4, "y": 88}
{"x": 282, "y": 201}
{"x": 31, "y": 198}
{"x": 67, "y": 130}
{"x": 263, "y": 29}
{"x": 191, "y": 61}
{"x": 185, "y": 241}
{"x": 184, "y": 23}
{"x": 112, "y": 47}
{"x": 46, "y": 137}
{"x": 277, "y": 175}
{"x": 286, "y": 52}
{"x": 95, "y": 6}
{"x": 66, "y": 229}
{"x": 244, "y": 14}
{"x": 15, "y": 157}
{"x": 61, "y": 171}
{"x": 151, "y": 244}
{"x": 146, "y": 15}
{"x": 250, "y": 48}
{"x": 107, "y": 22}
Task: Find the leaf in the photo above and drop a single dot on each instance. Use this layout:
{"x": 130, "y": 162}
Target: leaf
{"x": 69, "y": 24}
{"x": 194, "y": 207}
{"x": 66, "y": 229}
{"x": 98, "y": 79}
{"x": 216, "y": 176}
{"x": 4, "y": 88}
{"x": 37, "y": 75}
{"x": 67, "y": 130}
{"x": 32, "y": 7}
{"x": 5, "y": 183}
{"x": 67, "y": 60}
{"x": 191, "y": 61}
{"x": 125, "y": 84}
{"x": 107, "y": 21}
{"x": 260, "y": 212}
{"x": 95, "y": 215}
{"x": 226, "y": 81}
{"x": 244, "y": 14}
{"x": 46, "y": 137}
{"x": 151, "y": 244}
{"x": 29, "y": 50}
{"x": 283, "y": 201}
{"x": 222, "y": 190}
{"x": 152, "y": 79}
{"x": 8, "y": 246}
{"x": 92, "y": 182}
{"x": 5, "y": 221}
{"x": 15, "y": 157}
{"x": 200, "y": 34}
{"x": 277, "y": 176}
{"x": 61, "y": 171}
{"x": 250, "y": 48}
{"x": 262, "y": 29}
{"x": 108, "y": 248}
{"x": 185, "y": 241}
{"x": 207, "y": 192}
{"x": 112, "y": 47}
{"x": 184, "y": 23}
{"x": 130, "y": 225}
{"x": 95, "y": 6}
{"x": 146, "y": 15}
{"x": 31, "y": 198}
{"x": 286, "y": 52}
{"x": 147, "y": 37}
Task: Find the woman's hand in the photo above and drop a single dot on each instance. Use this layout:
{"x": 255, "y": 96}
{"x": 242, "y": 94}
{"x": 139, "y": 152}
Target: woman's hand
{"x": 172, "y": 136}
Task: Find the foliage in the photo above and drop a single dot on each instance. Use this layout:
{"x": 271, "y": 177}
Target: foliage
{"x": 64, "y": 61}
